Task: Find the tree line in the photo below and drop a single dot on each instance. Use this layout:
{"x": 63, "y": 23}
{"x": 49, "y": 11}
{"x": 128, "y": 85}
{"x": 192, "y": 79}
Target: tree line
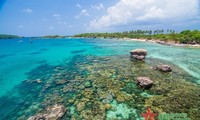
{"x": 185, "y": 37}
{"x": 5, "y": 36}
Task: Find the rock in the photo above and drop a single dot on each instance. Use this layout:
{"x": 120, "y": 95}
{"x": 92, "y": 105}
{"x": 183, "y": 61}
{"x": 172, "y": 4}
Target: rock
{"x": 140, "y": 57}
{"x": 38, "y": 81}
{"x": 37, "y": 117}
{"x": 144, "y": 82}
{"x": 164, "y": 68}
{"x": 51, "y": 113}
{"x": 57, "y": 111}
{"x": 138, "y": 54}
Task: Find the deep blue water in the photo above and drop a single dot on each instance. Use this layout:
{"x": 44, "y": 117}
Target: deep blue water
{"x": 17, "y": 59}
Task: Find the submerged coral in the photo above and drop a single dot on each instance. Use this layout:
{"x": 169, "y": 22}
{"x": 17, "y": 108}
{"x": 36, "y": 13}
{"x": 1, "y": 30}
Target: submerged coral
{"x": 51, "y": 113}
{"x": 105, "y": 88}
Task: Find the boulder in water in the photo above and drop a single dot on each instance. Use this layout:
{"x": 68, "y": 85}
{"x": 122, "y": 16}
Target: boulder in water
{"x": 164, "y": 68}
{"x": 52, "y": 113}
{"x": 144, "y": 82}
{"x": 138, "y": 54}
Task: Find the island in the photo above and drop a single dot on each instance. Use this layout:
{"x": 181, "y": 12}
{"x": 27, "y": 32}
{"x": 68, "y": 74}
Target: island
{"x": 160, "y": 36}
{"x": 6, "y": 36}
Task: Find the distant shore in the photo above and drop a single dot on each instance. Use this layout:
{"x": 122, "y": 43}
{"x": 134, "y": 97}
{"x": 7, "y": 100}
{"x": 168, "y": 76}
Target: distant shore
{"x": 170, "y": 43}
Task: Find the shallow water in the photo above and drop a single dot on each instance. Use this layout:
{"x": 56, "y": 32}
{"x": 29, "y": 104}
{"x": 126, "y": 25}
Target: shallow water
{"x": 74, "y": 59}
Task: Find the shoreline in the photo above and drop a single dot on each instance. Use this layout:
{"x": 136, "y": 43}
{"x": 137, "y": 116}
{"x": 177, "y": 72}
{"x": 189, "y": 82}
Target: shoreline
{"x": 169, "y": 43}
{"x": 157, "y": 41}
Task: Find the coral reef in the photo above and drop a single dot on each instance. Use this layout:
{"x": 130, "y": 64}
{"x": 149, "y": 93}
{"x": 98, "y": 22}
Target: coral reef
{"x": 51, "y": 113}
{"x": 100, "y": 88}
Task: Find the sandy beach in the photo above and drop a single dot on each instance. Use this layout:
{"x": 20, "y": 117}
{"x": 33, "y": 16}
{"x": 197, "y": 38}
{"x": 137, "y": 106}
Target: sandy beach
{"x": 170, "y": 43}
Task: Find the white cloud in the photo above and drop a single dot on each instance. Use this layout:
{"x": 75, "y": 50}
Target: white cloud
{"x": 84, "y": 12}
{"x": 147, "y": 11}
{"x": 98, "y": 7}
{"x": 56, "y": 15}
{"x": 78, "y": 5}
{"x": 62, "y": 22}
{"x": 27, "y": 10}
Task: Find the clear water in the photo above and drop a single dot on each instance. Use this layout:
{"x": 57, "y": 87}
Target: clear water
{"x": 17, "y": 59}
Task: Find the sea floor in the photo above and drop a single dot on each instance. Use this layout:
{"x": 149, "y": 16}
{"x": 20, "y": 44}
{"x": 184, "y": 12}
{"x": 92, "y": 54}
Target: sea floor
{"x": 102, "y": 87}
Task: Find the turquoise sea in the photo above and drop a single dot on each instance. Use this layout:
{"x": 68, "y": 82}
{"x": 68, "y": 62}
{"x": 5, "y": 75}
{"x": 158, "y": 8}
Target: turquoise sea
{"x": 36, "y": 75}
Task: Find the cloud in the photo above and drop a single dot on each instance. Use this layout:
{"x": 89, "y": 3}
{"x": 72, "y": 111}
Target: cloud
{"x": 84, "y": 12}
{"x": 27, "y": 10}
{"x": 78, "y": 5}
{"x": 56, "y": 15}
{"x": 62, "y": 22}
{"x": 147, "y": 11}
{"x": 98, "y": 7}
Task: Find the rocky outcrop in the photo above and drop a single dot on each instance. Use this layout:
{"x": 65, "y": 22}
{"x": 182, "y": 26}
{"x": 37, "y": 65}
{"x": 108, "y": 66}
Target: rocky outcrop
{"x": 164, "y": 68}
{"x": 51, "y": 113}
{"x": 138, "y": 54}
{"x": 144, "y": 82}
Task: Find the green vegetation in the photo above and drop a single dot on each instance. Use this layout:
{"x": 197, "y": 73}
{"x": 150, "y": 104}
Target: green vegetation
{"x": 185, "y": 37}
{"x": 53, "y": 36}
{"x": 5, "y": 36}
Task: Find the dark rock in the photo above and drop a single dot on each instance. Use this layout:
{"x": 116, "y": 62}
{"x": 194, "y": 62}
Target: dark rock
{"x": 164, "y": 68}
{"x": 144, "y": 82}
{"x": 138, "y": 54}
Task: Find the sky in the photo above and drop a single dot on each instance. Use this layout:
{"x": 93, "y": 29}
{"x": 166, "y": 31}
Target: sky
{"x": 68, "y": 17}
